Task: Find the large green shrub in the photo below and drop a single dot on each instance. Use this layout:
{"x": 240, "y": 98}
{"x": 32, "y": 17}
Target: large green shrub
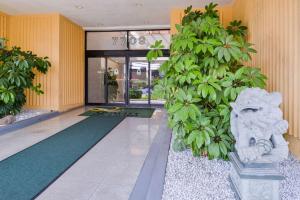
{"x": 204, "y": 73}
{"x": 17, "y": 74}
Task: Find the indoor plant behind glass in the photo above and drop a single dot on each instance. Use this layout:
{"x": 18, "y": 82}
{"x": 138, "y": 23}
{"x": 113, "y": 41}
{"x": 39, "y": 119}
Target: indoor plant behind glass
{"x": 112, "y": 85}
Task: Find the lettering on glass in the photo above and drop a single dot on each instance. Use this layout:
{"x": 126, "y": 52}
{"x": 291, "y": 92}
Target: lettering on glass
{"x": 122, "y": 41}
{"x": 115, "y": 40}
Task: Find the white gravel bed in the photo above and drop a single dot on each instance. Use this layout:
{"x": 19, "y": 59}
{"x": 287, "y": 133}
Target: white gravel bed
{"x": 29, "y": 113}
{"x": 197, "y": 178}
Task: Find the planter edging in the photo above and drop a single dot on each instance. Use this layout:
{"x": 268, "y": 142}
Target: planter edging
{"x": 27, "y": 122}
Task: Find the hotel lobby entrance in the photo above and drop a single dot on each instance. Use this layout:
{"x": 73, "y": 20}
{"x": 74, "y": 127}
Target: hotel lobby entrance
{"x": 117, "y": 70}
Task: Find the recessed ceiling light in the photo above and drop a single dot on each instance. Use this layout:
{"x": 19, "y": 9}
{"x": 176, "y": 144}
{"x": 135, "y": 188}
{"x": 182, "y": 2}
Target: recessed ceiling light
{"x": 79, "y": 6}
{"x": 138, "y": 4}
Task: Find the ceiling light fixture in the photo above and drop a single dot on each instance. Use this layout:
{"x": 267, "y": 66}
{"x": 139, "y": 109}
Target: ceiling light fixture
{"x": 138, "y": 4}
{"x": 79, "y": 6}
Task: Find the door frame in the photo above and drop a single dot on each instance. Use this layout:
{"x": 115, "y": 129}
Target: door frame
{"x": 118, "y": 53}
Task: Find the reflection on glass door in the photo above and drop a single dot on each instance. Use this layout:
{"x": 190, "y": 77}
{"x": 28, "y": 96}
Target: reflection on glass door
{"x": 155, "y": 76}
{"x": 107, "y": 80}
{"x": 96, "y": 84}
{"x": 116, "y": 79}
{"x": 138, "y": 91}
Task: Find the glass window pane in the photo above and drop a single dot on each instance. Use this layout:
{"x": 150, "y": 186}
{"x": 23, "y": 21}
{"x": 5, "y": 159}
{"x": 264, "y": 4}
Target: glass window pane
{"x": 138, "y": 80}
{"x": 155, "y": 76}
{"x": 106, "y": 40}
{"x": 116, "y": 79}
{"x": 96, "y": 87}
{"x": 144, "y": 39}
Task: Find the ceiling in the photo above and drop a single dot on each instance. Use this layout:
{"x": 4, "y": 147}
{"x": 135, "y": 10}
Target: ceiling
{"x": 106, "y": 14}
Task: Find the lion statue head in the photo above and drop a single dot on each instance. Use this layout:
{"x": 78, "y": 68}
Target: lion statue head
{"x": 257, "y": 125}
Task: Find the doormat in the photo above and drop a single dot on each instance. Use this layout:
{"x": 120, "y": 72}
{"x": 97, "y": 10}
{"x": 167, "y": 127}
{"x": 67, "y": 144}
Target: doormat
{"x": 120, "y": 111}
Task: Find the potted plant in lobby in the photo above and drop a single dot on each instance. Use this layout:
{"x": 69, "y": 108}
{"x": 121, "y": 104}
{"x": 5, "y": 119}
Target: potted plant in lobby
{"x": 112, "y": 85}
{"x": 17, "y": 72}
{"x": 205, "y": 72}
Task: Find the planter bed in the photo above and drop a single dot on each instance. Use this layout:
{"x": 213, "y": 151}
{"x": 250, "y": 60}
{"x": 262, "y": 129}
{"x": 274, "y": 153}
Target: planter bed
{"x": 29, "y": 113}
{"x": 197, "y": 178}
{"x": 26, "y": 118}
{"x": 23, "y": 115}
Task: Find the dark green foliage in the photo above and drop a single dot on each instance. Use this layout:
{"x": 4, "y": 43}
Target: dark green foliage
{"x": 17, "y": 74}
{"x": 155, "y": 52}
{"x": 135, "y": 93}
{"x": 190, "y": 16}
{"x": 204, "y": 74}
{"x": 237, "y": 29}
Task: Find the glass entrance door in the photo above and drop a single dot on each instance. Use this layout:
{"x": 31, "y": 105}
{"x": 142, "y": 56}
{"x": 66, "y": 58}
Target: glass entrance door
{"x": 138, "y": 90}
{"x": 116, "y": 80}
{"x": 123, "y": 80}
{"x": 96, "y": 80}
{"x": 117, "y": 71}
{"x": 143, "y": 76}
{"x": 106, "y": 80}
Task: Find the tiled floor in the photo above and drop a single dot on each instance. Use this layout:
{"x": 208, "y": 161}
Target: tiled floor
{"x": 108, "y": 171}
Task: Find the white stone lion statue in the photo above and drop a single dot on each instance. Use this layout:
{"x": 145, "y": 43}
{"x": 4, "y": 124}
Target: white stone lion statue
{"x": 258, "y": 126}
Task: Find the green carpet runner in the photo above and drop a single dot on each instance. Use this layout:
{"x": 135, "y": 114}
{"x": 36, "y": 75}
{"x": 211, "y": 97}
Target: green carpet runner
{"x": 26, "y": 174}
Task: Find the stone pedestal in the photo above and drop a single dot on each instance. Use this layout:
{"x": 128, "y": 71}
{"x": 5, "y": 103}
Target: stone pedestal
{"x": 255, "y": 181}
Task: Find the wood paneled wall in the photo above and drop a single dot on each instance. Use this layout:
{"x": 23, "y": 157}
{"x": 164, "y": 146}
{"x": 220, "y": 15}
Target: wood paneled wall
{"x": 71, "y": 64}
{"x": 274, "y": 28}
{"x": 62, "y": 41}
{"x": 177, "y": 14}
{"x": 39, "y": 34}
{"x": 3, "y": 24}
